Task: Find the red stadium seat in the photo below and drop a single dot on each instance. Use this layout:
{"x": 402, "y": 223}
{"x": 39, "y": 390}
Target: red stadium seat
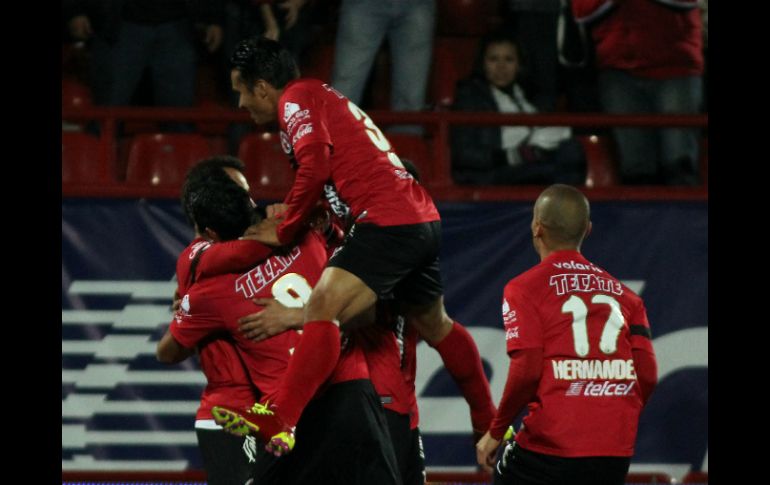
{"x": 80, "y": 158}
{"x": 696, "y": 477}
{"x": 266, "y": 163}
{"x": 601, "y": 161}
{"x": 163, "y": 159}
{"x": 453, "y": 59}
{"x": 653, "y": 478}
{"x": 465, "y": 17}
{"x": 415, "y": 148}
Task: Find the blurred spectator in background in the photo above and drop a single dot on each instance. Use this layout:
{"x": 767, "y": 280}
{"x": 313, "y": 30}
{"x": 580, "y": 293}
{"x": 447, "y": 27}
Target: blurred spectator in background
{"x": 533, "y": 24}
{"x": 125, "y": 37}
{"x": 650, "y": 59}
{"x": 556, "y": 53}
{"x": 409, "y": 26}
{"x": 285, "y": 21}
{"x": 508, "y": 154}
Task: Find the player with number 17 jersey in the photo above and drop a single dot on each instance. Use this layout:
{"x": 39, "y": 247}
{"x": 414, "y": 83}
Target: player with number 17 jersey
{"x": 363, "y": 167}
{"x": 588, "y": 325}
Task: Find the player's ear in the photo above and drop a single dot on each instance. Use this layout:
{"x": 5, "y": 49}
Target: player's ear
{"x": 261, "y": 88}
{"x": 537, "y": 229}
{"x": 211, "y": 234}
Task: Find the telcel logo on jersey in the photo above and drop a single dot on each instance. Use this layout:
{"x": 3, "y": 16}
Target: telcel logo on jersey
{"x": 599, "y": 389}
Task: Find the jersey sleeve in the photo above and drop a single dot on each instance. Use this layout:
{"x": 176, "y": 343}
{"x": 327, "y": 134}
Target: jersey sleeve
{"x": 231, "y": 256}
{"x": 639, "y": 328}
{"x": 302, "y": 116}
{"x": 523, "y": 328}
{"x": 195, "y": 320}
{"x": 313, "y": 173}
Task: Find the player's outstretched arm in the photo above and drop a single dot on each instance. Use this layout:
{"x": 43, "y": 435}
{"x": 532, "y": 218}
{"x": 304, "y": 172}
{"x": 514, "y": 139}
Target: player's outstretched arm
{"x": 524, "y": 373}
{"x": 231, "y": 256}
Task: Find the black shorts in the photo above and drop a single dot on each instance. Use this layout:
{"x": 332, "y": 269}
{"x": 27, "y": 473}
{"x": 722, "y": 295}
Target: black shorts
{"x": 518, "y": 466}
{"x": 229, "y": 459}
{"x": 407, "y": 443}
{"x": 394, "y": 261}
{"x": 342, "y": 438}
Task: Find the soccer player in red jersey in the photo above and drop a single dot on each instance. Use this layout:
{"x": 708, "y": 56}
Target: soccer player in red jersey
{"x": 582, "y": 360}
{"x": 391, "y": 250}
{"x": 248, "y": 371}
{"x": 226, "y": 458}
{"x": 227, "y": 364}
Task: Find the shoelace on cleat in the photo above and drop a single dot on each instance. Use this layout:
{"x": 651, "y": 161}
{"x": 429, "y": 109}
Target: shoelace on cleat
{"x": 258, "y": 408}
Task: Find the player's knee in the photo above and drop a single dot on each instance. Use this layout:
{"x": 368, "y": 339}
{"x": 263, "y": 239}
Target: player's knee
{"x": 432, "y": 322}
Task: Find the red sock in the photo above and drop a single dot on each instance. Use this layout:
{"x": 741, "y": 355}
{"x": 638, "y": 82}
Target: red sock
{"x": 313, "y": 361}
{"x": 463, "y": 362}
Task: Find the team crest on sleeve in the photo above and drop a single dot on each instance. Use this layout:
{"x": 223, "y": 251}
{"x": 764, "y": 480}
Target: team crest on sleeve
{"x": 185, "y": 306}
{"x": 288, "y": 110}
{"x": 285, "y": 145}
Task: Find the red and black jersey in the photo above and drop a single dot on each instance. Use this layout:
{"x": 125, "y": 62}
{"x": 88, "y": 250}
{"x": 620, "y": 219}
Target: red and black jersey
{"x": 363, "y": 170}
{"x": 587, "y": 323}
{"x": 208, "y": 318}
{"x": 207, "y": 259}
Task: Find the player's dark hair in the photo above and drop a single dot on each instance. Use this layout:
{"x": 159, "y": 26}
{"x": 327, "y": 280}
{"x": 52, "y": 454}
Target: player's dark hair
{"x": 261, "y": 58}
{"x": 201, "y": 172}
{"x": 221, "y": 205}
